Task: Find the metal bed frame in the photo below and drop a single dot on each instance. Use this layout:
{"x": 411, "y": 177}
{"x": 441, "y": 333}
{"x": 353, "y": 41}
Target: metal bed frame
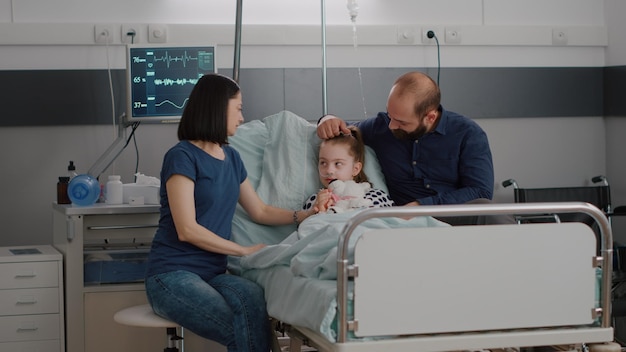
{"x": 587, "y": 336}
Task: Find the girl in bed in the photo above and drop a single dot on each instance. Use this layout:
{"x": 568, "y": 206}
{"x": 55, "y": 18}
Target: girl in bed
{"x": 342, "y": 158}
{"x": 202, "y": 180}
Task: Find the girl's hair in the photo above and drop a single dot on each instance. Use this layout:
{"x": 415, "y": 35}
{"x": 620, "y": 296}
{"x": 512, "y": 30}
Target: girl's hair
{"x": 206, "y": 112}
{"x": 356, "y": 148}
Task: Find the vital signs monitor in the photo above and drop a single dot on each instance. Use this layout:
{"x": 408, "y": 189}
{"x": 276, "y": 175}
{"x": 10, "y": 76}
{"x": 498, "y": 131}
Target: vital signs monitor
{"x": 159, "y": 79}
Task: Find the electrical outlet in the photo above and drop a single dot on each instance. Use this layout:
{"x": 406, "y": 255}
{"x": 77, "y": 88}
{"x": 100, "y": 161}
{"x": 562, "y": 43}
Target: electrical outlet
{"x": 103, "y": 34}
{"x": 157, "y": 33}
{"x": 453, "y": 35}
{"x": 559, "y": 36}
{"x": 131, "y": 33}
{"x": 435, "y": 30}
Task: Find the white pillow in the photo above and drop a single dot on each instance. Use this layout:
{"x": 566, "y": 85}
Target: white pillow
{"x": 280, "y": 155}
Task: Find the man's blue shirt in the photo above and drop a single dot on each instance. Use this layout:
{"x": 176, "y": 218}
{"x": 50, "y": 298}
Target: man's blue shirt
{"x": 449, "y": 165}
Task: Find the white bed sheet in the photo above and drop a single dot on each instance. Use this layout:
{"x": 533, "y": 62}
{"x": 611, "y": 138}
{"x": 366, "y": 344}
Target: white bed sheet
{"x": 299, "y": 274}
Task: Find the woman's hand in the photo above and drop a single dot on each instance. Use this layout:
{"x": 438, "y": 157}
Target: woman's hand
{"x": 324, "y": 200}
{"x": 253, "y": 249}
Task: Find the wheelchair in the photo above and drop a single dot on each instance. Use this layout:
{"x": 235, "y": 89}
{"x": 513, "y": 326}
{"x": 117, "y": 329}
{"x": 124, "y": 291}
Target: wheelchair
{"x": 598, "y": 194}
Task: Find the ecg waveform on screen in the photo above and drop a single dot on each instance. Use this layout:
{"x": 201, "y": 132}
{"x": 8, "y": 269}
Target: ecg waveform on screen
{"x": 175, "y": 81}
{"x": 167, "y": 101}
{"x": 163, "y": 78}
{"x": 167, "y": 58}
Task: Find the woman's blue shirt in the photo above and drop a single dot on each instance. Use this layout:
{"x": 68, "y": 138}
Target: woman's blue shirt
{"x": 216, "y": 194}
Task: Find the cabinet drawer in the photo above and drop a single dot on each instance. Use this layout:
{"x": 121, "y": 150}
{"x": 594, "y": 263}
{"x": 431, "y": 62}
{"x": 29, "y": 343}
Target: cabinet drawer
{"x": 127, "y": 230}
{"x": 30, "y": 327}
{"x": 29, "y": 301}
{"x": 29, "y": 275}
{"x": 32, "y": 346}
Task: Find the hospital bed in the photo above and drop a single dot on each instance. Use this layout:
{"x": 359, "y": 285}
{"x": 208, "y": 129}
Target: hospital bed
{"x": 397, "y": 279}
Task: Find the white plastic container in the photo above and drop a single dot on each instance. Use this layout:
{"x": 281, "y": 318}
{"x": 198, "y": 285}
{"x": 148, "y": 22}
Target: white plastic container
{"x": 114, "y": 190}
{"x": 149, "y": 193}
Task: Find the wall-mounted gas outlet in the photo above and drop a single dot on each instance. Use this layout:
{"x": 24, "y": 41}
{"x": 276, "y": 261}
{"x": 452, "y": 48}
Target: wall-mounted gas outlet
{"x": 405, "y": 35}
{"x": 157, "y": 33}
{"x": 559, "y": 36}
{"x": 103, "y": 34}
{"x": 131, "y": 33}
{"x": 453, "y": 35}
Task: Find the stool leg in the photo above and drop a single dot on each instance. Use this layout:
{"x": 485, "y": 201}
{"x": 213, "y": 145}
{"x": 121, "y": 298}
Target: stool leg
{"x": 273, "y": 338}
{"x": 172, "y": 340}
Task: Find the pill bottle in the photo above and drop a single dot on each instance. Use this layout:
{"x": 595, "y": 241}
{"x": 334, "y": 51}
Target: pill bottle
{"x": 62, "y": 196}
{"x": 113, "y": 190}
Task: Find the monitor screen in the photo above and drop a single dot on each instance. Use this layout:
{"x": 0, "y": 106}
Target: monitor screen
{"x": 160, "y": 77}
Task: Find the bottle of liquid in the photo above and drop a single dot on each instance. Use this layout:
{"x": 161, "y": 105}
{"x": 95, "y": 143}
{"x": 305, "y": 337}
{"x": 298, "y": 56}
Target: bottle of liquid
{"x": 113, "y": 190}
{"x": 71, "y": 170}
{"x": 353, "y": 9}
{"x": 62, "y": 196}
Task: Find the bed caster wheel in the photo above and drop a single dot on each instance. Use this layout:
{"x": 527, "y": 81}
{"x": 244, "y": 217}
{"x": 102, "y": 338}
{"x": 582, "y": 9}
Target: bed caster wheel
{"x": 605, "y": 347}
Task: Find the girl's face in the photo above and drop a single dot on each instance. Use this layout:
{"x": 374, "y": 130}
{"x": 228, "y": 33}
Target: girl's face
{"x": 336, "y": 163}
{"x": 234, "y": 114}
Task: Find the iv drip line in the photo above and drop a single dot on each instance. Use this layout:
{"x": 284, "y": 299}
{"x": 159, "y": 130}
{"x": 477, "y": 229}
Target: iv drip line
{"x": 353, "y": 11}
{"x": 355, "y": 43}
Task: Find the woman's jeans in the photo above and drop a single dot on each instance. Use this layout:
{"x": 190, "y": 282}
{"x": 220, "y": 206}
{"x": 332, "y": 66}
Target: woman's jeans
{"x": 228, "y": 309}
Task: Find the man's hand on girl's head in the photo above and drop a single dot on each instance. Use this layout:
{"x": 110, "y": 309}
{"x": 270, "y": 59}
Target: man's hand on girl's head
{"x": 331, "y": 126}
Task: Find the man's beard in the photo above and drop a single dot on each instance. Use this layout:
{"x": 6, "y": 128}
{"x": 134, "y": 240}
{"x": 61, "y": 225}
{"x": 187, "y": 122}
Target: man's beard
{"x": 411, "y": 136}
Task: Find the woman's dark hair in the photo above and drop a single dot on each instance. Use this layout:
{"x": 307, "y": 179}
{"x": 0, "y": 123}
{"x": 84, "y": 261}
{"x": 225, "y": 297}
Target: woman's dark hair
{"x": 356, "y": 148}
{"x": 205, "y": 115}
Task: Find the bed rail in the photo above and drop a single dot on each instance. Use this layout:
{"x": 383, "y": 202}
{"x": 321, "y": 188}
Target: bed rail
{"x": 343, "y": 267}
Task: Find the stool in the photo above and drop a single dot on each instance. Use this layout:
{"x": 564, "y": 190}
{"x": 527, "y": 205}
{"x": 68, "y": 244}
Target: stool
{"x": 144, "y": 316}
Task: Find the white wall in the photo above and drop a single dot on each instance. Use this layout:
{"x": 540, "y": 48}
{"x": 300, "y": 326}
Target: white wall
{"x": 493, "y": 32}
{"x": 524, "y": 149}
{"x": 507, "y": 12}
{"x": 616, "y": 50}
{"x": 44, "y": 34}
{"x": 616, "y": 126}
